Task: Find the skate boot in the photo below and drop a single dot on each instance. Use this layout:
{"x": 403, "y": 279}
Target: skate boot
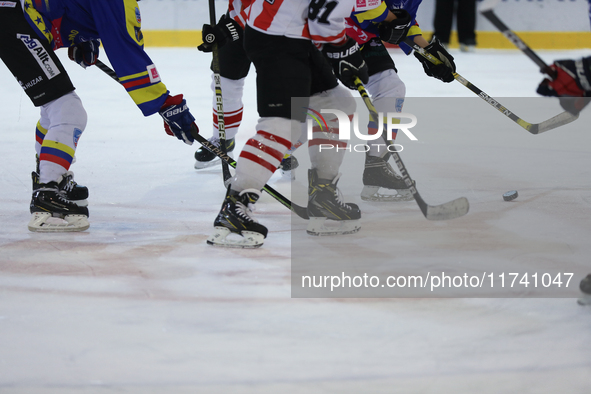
{"x": 379, "y": 174}
{"x": 52, "y": 212}
{"x": 585, "y": 287}
{"x": 234, "y": 226}
{"x": 74, "y": 192}
{"x": 288, "y": 164}
{"x": 204, "y": 158}
{"x": 325, "y": 202}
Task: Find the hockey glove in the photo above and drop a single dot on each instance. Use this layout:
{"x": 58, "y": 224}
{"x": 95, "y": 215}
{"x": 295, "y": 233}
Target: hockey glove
{"x": 227, "y": 30}
{"x": 177, "y": 118}
{"x": 85, "y": 53}
{"x": 347, "y": 62}
{"x": 443, "y": 71}
{"x": 571, "y": 84}
{"x": 395, "y": 31}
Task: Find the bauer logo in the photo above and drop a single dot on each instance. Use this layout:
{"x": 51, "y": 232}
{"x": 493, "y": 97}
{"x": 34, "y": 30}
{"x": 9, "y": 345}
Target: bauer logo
{"x": 40, "y": 54}
{"x": 317, "y": 126}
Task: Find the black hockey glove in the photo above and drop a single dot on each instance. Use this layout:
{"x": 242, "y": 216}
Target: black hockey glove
{"x": 572, "y": 84}
{"x": 177, "y": 118}
{"x": 85, "y": 53}
{"x": 227, "y": 30}
{"x": 443, "y": 71}
{"x": 395, "y": 31}
{"x": 347, "y": 62}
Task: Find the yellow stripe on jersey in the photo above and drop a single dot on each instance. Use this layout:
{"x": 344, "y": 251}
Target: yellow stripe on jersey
{"x": 149, "y": 93}
{"x": 133, "y": 21}
{"x": 59, "y": 146}
{"x": 371, "y": 14}
{"x": 35, "y": 16}
{"x": 414, "y": 30}
{"x": 133, "y": 76}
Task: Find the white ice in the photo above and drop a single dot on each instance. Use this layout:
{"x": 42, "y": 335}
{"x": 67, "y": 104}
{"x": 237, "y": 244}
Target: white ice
{"x": 140, "y": 304}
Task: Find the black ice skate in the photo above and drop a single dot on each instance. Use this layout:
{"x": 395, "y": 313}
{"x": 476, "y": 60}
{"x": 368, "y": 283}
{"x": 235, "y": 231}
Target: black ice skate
{"x": 204, "y": 158}
{"x": 287, "y": 165}
{"x": 72, "y": 191}
{"x": 379, "y": 174}
{"x": 585, "y": 287}
{"x": 325, "y": 202}
{"x": 234, "y": 220}
{"x": 52, "y": 212}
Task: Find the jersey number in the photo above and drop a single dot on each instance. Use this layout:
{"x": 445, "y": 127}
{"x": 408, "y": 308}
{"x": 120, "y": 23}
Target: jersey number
{"x": 320, "y": 10}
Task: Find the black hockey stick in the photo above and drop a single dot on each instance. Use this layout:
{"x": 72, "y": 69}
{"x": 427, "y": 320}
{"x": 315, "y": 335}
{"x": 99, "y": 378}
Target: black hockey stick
{"x": 523, "y": 47}
{"x": 215, "y": 66}
{"x": 534, "y": 128}
{"x": 450, "y": 210}
{"x": 299, "y": 210}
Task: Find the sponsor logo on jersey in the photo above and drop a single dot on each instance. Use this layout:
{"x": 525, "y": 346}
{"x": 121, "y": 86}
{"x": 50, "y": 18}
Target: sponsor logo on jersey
{"x": 31, "y": 83}
{"x": 77, "y": 134}
{"x": 7, "y": 4}
{"x": 138, "y": 16}
{"x": 364, "y": 5}
{"x": 40, "y": 54}
{"x": 153, "y": 74}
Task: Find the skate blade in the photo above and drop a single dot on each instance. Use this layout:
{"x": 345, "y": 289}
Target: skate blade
{"x": 371, "y": 193}
{"x": 584, "y": 300}
{"x": 200, "y": 165}
{"x": 44, "y": 222}
{"x": 246, "y": 240}
{"x": 318, "y": 227}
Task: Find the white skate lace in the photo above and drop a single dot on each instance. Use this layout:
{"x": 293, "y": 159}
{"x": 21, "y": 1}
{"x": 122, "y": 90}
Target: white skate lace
{"x": 70, "y": 183}
{"x": 245, "y": 211}
{"x": 337, "y": 193}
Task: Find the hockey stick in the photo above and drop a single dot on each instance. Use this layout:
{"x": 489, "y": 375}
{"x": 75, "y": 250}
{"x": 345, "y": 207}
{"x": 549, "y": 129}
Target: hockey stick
{"x": 534, "y": 128}
{"x": 215, "y": 66}
{"x": 450, "y": 210}
{"x": 299, "y": 210}
{"x": 511, "y": 36}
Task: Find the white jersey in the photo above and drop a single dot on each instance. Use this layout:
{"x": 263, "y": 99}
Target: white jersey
{"x": 319, "y": 21}
{"x": 238, "y": 10}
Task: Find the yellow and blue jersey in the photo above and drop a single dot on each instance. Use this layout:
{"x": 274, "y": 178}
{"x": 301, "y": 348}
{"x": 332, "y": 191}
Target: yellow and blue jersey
{"x": 117, "y": 23}
{"x": 368, "y": 21}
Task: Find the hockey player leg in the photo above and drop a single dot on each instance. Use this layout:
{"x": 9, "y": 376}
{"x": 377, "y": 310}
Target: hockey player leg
{"x": 234, "y": 225}
{"x": 329, "y": 214}
{"x": 232, "y": 91}
{"x": 380, "y": 181}
{"x": 51, "y": 208}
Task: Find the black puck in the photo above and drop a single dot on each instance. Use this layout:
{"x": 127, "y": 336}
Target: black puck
{"x": 509, "y": 196}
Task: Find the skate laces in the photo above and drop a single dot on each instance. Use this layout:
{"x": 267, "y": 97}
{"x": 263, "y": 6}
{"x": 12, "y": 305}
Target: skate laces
{"x": 245, "y": 210}
{"x": 68, "y": 182}
{"x": 337, "y": 192}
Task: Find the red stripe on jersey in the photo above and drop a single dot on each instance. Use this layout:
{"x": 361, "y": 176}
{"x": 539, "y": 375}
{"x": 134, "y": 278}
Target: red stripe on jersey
{"x": 318, "y": 141}
{"x": 267, "y": 149}
{"x": 265, "y": 18}
{"x": 137, "y": 82}
{"x": 331, "y": 39}
{"x": 55, "y": 159}
{"x": 274, "y": 138}
{"x": 258, "y": 160}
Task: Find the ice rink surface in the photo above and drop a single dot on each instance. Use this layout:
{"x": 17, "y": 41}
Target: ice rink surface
{"x": 140, "y": 304}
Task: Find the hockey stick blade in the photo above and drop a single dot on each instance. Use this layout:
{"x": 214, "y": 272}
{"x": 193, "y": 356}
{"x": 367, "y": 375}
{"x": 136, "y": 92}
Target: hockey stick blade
{"x": 299, "y": 210}
{"x": 449, "y": 210}
{"x": 534, "y": 128}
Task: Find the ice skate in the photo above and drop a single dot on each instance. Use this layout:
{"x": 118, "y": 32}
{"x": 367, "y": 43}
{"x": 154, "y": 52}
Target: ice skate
{"x": 204, "y": 158}
{"x": 585, "y": 287}
{"x": 72, "y": 191}
{"x": 287, "y": 165}
{"x": 234, "y": 225}
{"x": 378, "y": 174}
{"x": 325, "y": 203}
{"x": 52, "y": 212}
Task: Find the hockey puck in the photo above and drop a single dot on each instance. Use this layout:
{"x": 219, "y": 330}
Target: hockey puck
{"x": 509, "y": 196}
